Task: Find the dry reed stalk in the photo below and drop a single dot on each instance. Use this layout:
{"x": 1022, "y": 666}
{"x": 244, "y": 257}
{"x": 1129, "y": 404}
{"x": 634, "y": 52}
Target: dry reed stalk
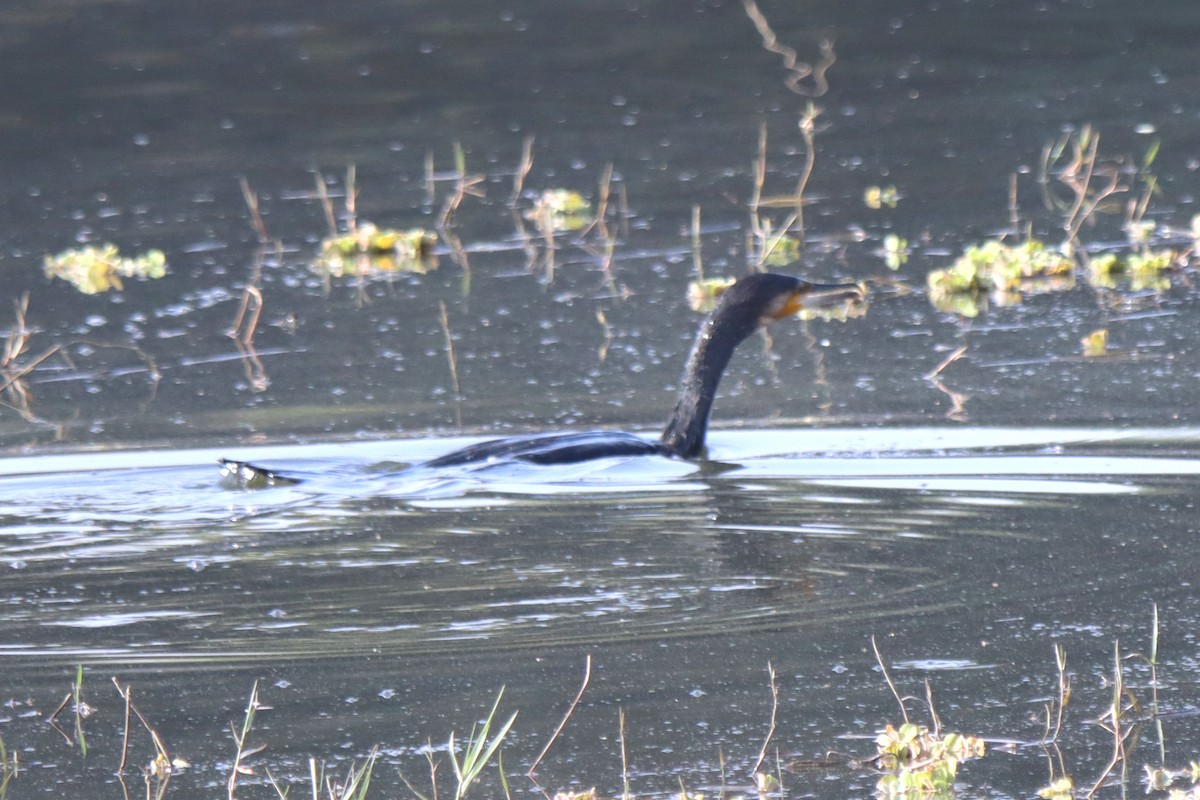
{"x": 256, "y": 220}
{"x": 762, "y": 754}
{"x": 799, "y": 70}
{"x": 888, "y": 678}
{"x": 523, "y": 170}
{"x": 252, "y": 304}
{"x": 326, "y": 204}
{"x": 808, "y": 134}
{"x": 452, "y": 359}
{"x": 947, "y": 361}
{"x": 587, "y": 677}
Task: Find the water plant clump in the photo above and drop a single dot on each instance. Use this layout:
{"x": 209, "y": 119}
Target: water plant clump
{"x": 702, "y": 294}
{"x": 895, "y": 251}
{"x": 999, "y": 271}
{"x": 368, "y": 249}
{"x": 1081, "y": 185}
{"x": 921, "y": 762}
{"x": 1144, "y": 270}
{"x": 560, "y": 210}
{"x": 95, "y": 269}
{"x": 877, "y": 197}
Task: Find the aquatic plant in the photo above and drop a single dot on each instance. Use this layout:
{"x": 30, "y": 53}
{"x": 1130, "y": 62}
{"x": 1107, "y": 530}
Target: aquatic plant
{"x": 1095, "y": 344}
{"x": 477, "y": 750}
{"x": 93, "y": 269}
{"x": 1141, "y": 270}
{"x": 240, "y": 738}
{"x": 368, "y": 250}
{"x": 465, "y": 185}
{"x": 560, "y": 210}
{"x": 80, "y": 711}
{"x": 1079, "y": 183}
{"x": 10, "y": 767}
{"x": 157, "y": 774}
{"x": 895, "y": 251}
{"x": 921, "y": 762}
{"x": 998, "y": 272}
{"x": 702, "y": 294}
{"x": 917, "y": 761}
{"x": 1164, "y": 779}
{"x": 876, "y": 197}
{"x": 353, "y": 787}
{"x": 362, "y": 248}
{"x": 1075, "y": 163}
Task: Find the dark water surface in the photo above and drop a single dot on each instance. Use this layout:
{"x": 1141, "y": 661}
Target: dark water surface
{"x": 1025, "y": 496}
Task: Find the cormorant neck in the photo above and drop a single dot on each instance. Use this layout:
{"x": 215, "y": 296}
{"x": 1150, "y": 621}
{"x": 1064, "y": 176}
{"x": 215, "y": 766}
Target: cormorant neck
{"x": 718, "y": 337}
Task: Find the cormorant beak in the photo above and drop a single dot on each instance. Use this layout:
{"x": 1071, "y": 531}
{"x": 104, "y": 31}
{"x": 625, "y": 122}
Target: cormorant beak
{"x": 846, "y": 297}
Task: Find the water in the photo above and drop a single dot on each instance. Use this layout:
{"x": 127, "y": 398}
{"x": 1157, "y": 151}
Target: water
{"x": 1024, "y": 496}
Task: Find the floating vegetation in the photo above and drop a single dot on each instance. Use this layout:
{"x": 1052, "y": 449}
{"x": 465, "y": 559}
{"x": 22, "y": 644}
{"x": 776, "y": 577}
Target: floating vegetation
{"x": 1142, "y": 270}
{"x": 702, "y": 295}
{"x": 1081, "y": 185}
{"x": 370, "y": 250}
{"x": 1062, "y": 788}
{"x": 917, "y": 761}
{"x": 998, "y": 271}
{"x": 1162, "y": 779}
{"x": 93, "y": 270}
{"x": 895, "y": 251}
{"x": 560, "y": 210}
{"x": 921, "y": 762}
{"x": 877, "y": 197}
{"x": 1095, "y": 344}
{"x": 781, "y": 248}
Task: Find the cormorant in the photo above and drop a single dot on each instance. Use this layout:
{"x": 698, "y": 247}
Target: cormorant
{"x": 747, "y": 305}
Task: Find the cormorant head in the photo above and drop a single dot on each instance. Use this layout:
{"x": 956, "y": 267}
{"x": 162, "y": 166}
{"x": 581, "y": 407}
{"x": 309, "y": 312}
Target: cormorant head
{"x": 768, "y": 296}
